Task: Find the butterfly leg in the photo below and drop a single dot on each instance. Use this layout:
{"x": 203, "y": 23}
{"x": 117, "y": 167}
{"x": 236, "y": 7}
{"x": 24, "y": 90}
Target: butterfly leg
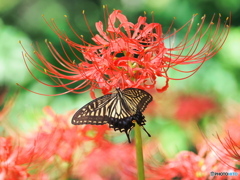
{"x": 127, "y": 133}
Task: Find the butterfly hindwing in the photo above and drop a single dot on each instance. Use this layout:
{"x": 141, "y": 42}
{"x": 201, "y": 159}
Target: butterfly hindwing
{"x": 137, "y": 99}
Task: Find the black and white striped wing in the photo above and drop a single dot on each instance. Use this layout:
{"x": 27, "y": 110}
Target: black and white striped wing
{"x": 136, "y": 99}
{"x": 95, "y": 112}
{"x": 113, "y": 107}
{"x": 118, "y": 110}
{"x": 102, "y": 110}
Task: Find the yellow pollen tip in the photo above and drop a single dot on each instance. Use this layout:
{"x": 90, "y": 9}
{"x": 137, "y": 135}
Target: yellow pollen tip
{"x": 45, "y": 70}
{"x": 220, "y": 15}
{"x": 152, "y": 12}
{"x": 52, "y": 19}
{"x": 199, "y": 174}
{"x": 19, "y": 42}
{"x": 46, "y": 40}
{"x": 83, "y": 11}
{"x": 42, "y": 15}
{"x": 34, "y": 52}
{"x": 201, "y": 163}
{"x": 65, "y": 16}
{"x": 104, "y": 6}
{"x": 195, "y": 14}
{"x": 227, "y": 18}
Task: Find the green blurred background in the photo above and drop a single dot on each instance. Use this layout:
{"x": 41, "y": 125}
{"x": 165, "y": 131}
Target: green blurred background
{"x": 21, "y": 20}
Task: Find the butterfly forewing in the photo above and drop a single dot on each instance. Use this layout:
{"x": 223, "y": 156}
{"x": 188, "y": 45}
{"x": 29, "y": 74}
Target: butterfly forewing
{"x": 118, "y": 109}
{"x": 95, "y": 112}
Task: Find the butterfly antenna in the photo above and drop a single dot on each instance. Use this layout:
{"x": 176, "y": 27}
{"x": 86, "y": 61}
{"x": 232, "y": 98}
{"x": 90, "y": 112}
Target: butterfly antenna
{"x": 146, "y": 132}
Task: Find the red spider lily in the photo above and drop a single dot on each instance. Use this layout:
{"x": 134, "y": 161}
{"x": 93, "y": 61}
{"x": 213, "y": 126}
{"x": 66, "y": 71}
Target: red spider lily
{"x": 57, "y": 143}
{"x": 231, "y": 147}
{"x": 109, "y": 161}
{"x": 185, "y": 166}
{"x": 57, "y": 137}
{"x": 232, "y": 126}
{"x": 9, "y": 167}
{"x": 188, "y": 165}
{"x": 227, "y": 147}
{"x": 126, "y": 55}
{"x": 228, "y": 151}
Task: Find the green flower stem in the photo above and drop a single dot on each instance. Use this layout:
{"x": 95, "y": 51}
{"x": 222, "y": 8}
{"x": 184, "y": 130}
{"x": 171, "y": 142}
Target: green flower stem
{"x": 139, "y": 152}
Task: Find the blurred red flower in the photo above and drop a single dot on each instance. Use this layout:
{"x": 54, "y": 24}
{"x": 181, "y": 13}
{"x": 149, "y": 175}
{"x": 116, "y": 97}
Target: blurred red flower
{"x": 109, "y": 161}
{"x": 230, "y": 150}
{"x": 227, "y": 146}
{"x": 188, "y": 165}
{"x": 9, "y": 167}
{"x": 126, "y": 55}
{"x": 194, "y": 107}
{"x": 56, "y": 136}
{"x": 232, "y": 126}
{"x": 57, "y": 142}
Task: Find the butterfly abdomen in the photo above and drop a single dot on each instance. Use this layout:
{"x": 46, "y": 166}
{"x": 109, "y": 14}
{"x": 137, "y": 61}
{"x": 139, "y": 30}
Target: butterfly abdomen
{"x": 126, "y": 124}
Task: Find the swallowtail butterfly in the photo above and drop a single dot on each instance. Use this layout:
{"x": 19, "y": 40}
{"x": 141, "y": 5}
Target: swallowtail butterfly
{"x": 119, "y": 110}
